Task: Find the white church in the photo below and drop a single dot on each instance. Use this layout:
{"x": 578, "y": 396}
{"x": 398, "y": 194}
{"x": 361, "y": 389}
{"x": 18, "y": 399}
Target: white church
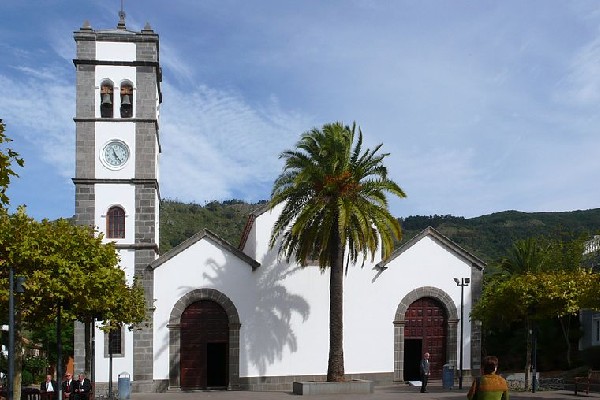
{"x": 236, "y": 317}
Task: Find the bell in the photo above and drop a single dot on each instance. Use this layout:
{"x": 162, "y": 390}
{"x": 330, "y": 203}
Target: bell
{"x": 106, "y": 99}
{"x": 126, "y": 101}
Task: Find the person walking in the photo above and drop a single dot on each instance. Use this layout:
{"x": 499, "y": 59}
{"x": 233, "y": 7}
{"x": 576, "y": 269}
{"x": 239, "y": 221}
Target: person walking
{"x": 489, "y": 386}
{"x": 424, "y": 369}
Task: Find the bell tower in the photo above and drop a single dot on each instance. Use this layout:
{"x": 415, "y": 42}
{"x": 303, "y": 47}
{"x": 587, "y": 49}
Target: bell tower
{"x": 118, "y": 96}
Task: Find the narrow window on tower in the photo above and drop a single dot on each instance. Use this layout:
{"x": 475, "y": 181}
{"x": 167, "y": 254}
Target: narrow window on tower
{"x": 113, "y": 342}
{"x": 126, "y": 99}
{"x": 115, "y": 223}
{"x": 106, "y": 99}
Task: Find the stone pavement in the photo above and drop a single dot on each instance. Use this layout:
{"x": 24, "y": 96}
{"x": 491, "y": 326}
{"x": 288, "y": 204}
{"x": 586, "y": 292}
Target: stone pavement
{"x": 393, "y": 392}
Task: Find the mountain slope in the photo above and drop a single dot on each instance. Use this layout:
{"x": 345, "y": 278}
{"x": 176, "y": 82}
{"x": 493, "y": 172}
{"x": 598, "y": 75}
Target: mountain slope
{"x": 488, "y": 236}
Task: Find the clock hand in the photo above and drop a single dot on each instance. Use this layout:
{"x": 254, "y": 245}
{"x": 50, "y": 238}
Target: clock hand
{"x": 115, "y": 154}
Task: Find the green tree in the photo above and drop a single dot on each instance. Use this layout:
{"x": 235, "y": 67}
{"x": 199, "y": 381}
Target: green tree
{"x": 540, "y": 279}
{"x": 69, "y": 273}
{"x": 334, "y": 201}
{"x": 525, "y": 256}
{"x": 7, "y": 158}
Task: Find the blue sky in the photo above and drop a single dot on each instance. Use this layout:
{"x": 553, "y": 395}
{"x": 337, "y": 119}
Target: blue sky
{"x": 484, "y": 106}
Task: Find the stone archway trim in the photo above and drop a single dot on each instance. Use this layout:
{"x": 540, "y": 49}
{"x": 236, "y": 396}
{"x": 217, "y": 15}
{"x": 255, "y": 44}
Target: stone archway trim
{"x": 175, "y": 333}
{"x": 399, "y": 320}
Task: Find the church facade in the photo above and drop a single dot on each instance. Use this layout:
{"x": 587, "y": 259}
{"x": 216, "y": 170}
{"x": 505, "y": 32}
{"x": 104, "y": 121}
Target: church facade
{"x": 238, "y": 317}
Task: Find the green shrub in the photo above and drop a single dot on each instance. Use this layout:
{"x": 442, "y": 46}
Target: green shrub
{"x": 26, "y": 378}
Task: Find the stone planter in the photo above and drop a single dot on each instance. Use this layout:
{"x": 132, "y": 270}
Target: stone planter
{"x": 349, "y": 387}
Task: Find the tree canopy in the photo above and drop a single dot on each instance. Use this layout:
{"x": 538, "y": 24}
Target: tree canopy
{"x": 8, "y": 158}
{"x": 65, "y": 265}
{"x": 539, "y": 278}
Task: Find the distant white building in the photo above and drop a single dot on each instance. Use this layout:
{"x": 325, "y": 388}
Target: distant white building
{"x": 229, "y": 317}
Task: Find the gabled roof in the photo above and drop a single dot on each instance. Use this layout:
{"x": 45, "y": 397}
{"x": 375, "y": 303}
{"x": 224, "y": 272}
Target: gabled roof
{"x": 442, "y": 241}
{"x": 204, "y": 235}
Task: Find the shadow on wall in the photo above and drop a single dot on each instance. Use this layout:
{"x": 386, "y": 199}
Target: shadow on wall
{"x": 269, "y": 330}
{"x": 269, "y": 307}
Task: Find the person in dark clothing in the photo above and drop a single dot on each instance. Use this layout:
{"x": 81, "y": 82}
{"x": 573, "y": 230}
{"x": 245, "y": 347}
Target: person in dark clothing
{"x": 68, "y": 387}
{"x": 83, "y": 387}
{"x": 49, "y": 388}
{"x": 424, "y": 368}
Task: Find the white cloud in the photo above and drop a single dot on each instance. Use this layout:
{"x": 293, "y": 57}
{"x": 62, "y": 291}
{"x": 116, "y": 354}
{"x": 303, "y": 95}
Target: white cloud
{"x": 216, "y": 145}
{"x": 483, "y": 108}
{"x": 39, "y": 107}
{"x": 583, "y": 82}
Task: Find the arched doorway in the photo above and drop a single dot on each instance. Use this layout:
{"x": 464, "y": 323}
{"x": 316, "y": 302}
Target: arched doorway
{"x": 425, "y": 330}
{"x": 402, "y": 361}
{"x": 174, "y": 325}
{"x": 204, "y": 346}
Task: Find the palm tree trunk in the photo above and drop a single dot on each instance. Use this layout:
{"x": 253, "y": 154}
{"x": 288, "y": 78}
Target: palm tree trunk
{"x": 335, "y": 368}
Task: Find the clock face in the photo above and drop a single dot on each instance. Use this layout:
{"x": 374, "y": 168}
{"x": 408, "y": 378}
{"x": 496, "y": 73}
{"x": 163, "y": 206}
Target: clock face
{"x": 115, "y": 154}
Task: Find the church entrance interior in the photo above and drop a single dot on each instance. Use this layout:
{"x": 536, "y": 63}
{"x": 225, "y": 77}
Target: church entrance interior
{"x": 425, "y": 330}
{"x": 204, "y": 346}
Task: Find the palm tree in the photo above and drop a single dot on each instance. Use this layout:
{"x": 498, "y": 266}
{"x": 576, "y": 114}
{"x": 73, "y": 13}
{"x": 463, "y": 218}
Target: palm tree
{"x": 334, "y": 206}
{"x": 525, "y": 256}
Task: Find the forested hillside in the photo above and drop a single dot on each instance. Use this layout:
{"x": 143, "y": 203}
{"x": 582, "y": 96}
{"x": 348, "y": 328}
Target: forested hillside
{"x": 488, "y": 237}
{"x": 179, "y": 221}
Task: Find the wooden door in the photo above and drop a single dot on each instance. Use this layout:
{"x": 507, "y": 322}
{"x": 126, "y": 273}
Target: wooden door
{"x": 426, "y": 319}
{"x": 204, "y": 346}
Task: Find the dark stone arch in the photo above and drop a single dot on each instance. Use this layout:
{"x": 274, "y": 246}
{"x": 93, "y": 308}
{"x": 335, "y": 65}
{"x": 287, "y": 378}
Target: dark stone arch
{"x": 399, "y": 320}
{"x": 175, "y": 334}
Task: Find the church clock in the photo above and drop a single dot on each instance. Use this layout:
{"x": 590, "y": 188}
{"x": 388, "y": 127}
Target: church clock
{"x": 115, "y": 154}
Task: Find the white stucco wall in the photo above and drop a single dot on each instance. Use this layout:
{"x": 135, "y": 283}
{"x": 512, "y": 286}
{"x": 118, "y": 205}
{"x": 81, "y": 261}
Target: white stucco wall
{"x": 284, "y": 311}
{"x": 202, "y": 265}
{"x": 115, "y": 51}
{"x": 372, "y": 299}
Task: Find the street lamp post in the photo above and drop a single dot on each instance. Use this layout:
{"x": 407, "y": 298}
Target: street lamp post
{"x": 11, "y": 333}
{"x": 462, "y": 282}
{"x": 534, "y": 359}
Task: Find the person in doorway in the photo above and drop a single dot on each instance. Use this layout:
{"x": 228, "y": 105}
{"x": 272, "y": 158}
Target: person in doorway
{"x": 49, "y": 388}
{"x": 489, "y": 386}
{"x": 424, "y": 369}
{"x": 83, "y": 387}
{"x": 68, "y": 387}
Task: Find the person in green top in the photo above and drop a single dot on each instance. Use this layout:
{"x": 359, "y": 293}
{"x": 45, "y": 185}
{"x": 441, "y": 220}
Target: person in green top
{"x": 490, "y": 386}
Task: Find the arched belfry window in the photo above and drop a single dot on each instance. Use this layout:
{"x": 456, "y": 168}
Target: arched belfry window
{"x": 115, "y": 223}
{"x": 126, "y": 99}
{"x": 106, "y": 99}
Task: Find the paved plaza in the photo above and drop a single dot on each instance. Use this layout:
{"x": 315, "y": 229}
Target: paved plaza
{"x": 394, "y": 392}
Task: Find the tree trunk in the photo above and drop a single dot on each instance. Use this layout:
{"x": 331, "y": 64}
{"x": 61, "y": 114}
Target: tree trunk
{"x": 335, "y": 368}
{"x": 565, "y": 327}
{"x": 88, "y": 346}
{"x": 17, "y": 379}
